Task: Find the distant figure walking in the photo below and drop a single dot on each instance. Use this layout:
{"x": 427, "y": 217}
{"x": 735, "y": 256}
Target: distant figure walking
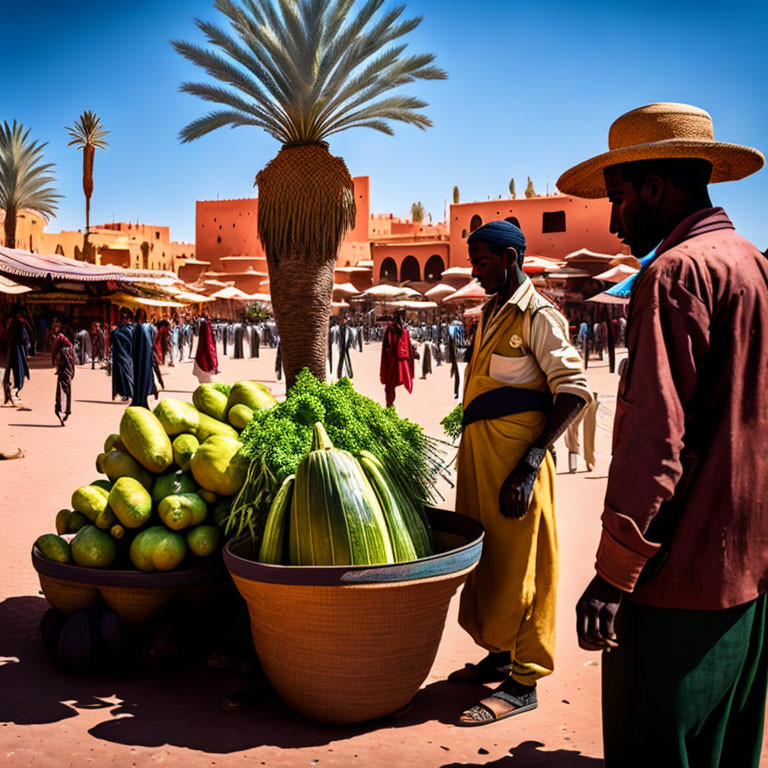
{"x": 18, "y": 335}
{"x": 206, "y": 360}
{"x": 121, "y": 346}
{"x": 64, "y": 361}
{"x": 396, "y": 358}
{"x": 143, "y": 380}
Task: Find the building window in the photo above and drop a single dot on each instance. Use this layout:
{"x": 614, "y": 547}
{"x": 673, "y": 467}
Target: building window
{"x": 218, "y": 239}
{"x": 464, "y": 233}
{"x": 513, "y": 220}
{"x": 553, "y": 221}
{"x": 157, "y": 235}
{"x": 475, "y": 223}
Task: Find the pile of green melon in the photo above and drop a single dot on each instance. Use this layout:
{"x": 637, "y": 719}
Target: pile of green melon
{"x": 170, "y": 474}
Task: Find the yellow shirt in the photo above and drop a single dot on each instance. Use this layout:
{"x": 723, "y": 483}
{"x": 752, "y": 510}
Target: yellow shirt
{"x": 536, "y": 351}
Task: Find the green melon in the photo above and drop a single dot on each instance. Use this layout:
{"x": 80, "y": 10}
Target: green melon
{"x": 172, "y": 483}
{"x": 184, "y": 447}
{"x": 209, "y": 427}
{"x": 131, "y": 502}
{"x": 93, "y": 548}
{"x": 176, "y": 416}
{"x": 203, "y": 540}
{"x": 145, "y": 438}
{"x": 157, "y": 549}
{"x": 182, "y": 510}
{"x": 118, "y": 464}
{"x": 209, "y": 400}
{"x": 54, "y": 548}
{"x": 253, "y": 394}
{"x": 218, "y": 465}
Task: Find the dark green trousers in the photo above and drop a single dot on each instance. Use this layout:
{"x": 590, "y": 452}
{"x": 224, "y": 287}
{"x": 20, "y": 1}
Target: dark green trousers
{"x": 686, "y": 689}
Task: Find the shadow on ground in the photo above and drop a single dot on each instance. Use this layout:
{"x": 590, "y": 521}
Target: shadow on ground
{"x": 179, "y": 708}
{"x": 529, "y": 755}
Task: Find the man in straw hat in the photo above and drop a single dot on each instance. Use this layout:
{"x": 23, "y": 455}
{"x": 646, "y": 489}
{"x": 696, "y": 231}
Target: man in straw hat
{"x": 524, "y": 384}
{"x": 679, "y": 600}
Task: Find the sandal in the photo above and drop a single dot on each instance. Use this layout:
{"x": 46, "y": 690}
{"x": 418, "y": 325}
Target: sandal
{"x": 494, "y": 668}
{"x": 522, "y": 697}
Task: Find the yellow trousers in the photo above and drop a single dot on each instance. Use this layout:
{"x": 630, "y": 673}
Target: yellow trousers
{"x": 509, "y": 600}
{"x": 588, "y": 421}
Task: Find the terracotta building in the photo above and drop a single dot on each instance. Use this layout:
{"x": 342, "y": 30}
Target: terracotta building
{"x": 226, "y": 236}
{"x": 123, "y": 244}
{"x": 554, "y": 226}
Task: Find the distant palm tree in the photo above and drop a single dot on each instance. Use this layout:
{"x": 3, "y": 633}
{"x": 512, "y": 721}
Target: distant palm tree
{"x": 25, "y": 180}
{"x": 456, "y": 196}
{"x": 512, "y": 192}
{"x": 417, "y": 213}
{"x": 304, "y": 70}
{"x": 89, "y": 135}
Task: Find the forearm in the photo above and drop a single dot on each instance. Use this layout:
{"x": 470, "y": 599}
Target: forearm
{"x": 565, "y": 410}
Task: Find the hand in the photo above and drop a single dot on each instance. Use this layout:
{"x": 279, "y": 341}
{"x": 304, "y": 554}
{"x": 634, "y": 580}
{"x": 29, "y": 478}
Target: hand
{"x": 596, "y": 615}
{"x": 516, "y": 490}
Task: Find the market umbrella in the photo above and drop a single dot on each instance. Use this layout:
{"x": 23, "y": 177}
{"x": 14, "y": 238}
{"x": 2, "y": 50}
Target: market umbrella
{"x": 458, "y": 272}
{"x": 617, "y": 274}
{"x": 230, "y": 292}
{"x": 390, "y": 291}
{"x": 440, "y": 291}
{"x": 533, "y": 265}
{"x": 345, "y": 288}
{"x": 470, "y": 292}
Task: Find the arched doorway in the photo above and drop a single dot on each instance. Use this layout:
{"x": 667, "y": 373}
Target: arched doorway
{"x": 513, "y": 220}
{"x": 388, "y": 270}
{"x": 409, "y": 269}
{"x": 433, "y": 269}
{"x": 475, "y": 223}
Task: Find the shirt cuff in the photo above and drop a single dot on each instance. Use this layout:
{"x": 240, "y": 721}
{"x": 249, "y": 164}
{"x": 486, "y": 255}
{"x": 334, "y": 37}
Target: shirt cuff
{"x": 623, "y": 551}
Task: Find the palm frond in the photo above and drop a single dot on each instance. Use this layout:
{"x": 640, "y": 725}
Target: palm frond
{"x": 25, "y": 181}
{"x": 219, "y": 119}
{"x": 88, "y": 131}
{"x": 306, "y": 69}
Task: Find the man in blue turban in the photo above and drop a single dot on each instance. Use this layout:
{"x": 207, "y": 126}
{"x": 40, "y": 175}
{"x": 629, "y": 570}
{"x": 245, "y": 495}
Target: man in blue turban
{"x": 523, "y": 386}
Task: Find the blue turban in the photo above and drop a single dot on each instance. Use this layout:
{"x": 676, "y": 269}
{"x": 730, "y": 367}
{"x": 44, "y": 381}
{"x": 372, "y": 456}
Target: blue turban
{"x": 500, "y": 233}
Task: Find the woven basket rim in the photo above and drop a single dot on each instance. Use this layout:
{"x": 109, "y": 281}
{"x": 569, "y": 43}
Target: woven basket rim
{"x": 207, "y": 573}
{"x": 439, "y": 564}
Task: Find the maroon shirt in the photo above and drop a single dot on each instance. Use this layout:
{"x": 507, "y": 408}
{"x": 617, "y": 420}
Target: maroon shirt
{"x": 690, "y": 457}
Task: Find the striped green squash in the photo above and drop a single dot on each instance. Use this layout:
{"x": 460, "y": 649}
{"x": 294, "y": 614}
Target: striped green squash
{"x": 336, "y": 518}
{"x": 420, "y": 533}
{"x": 271, "y": 549}
{"x": 402, "y": 544}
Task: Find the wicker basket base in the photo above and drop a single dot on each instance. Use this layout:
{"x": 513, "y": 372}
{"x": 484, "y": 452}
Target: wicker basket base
{"x": 346, "y": 654}
{"x": 68, "y": 596}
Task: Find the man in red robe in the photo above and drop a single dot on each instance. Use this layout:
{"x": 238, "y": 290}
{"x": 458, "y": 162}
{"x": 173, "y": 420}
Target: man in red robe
{"x": 396, "y": 358}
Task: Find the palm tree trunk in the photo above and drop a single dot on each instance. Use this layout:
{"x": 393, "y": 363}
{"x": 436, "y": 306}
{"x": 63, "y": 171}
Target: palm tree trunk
{"x": 10, "y": 227}
{"x": 301, "y": 299}
{"x": 88, "y": 152}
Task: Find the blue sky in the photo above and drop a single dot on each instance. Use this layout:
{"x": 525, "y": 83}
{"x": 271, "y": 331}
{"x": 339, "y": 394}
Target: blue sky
{"x": 533, "y": 89}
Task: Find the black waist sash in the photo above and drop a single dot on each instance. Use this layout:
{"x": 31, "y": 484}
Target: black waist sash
{"x": 505, "y": 401}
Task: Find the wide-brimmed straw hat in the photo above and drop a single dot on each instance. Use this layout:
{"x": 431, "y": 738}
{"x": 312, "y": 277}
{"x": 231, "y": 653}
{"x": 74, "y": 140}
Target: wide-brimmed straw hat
{"x": 661, "y": 131}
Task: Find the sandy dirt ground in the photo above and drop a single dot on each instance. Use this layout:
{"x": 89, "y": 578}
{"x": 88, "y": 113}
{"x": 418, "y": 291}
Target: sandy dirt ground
{"x": 48, "y": 718}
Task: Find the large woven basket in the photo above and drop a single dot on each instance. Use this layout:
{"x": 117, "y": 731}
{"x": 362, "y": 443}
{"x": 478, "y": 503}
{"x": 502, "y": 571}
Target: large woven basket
{"x": 134, "y": 596}
{"x": 345, "y": 644}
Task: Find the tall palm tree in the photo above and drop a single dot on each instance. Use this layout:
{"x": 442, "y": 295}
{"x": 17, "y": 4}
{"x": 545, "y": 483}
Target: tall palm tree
{"x": 304, "y": 70}
{"x": 25, "y": 180}
{"x": 89, "y": 135}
